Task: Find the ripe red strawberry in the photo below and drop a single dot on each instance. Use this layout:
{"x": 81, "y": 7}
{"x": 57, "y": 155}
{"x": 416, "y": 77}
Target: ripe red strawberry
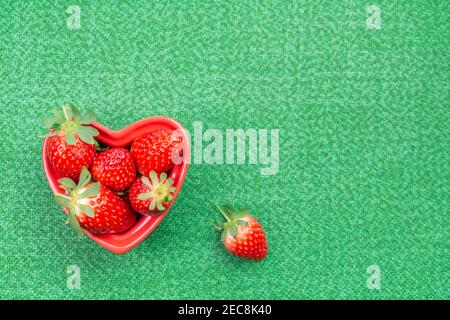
{"x": 114, "y": 168}
{"x": 242, "y": 234}
{"x": 153, "y": 150}
{"x": 93, "y": 206}
{"x": 71, "y": 143}
{"x": 151, "y": 196}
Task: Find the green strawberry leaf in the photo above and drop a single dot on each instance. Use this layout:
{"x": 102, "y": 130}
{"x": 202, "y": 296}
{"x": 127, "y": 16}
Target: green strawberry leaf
{"x": 162, "y": 176}
{"x": 62, "y": 200}
{"x": 49, "y": 122}
{"x": 92, "y": 131}
{"x": 91, "y": 191}
{"x": 70, "y": 138}
{"x": 85, "y": 177}
{"x": 144, "y": 196}
{"x": 76, "y": 113}
{"x": 218, "y": 225}
{"x": 146, "y": 181}
{"x": 52, "y": 134}
{"x": 85, "y": 134}
{"x": 87, "y": 210}
{"x": 233, "y": 230}
{"x": 223, "y": 237}
{"x": 57, "y": 115}
{"x": 88, "y": 117}
{"x": 154, "y": 178}
{"x": 159, "y": 205}
{"x": 67, "y": 184}
{"x": 73, "y": 222}
{"x": 241, "y": 222}
{"x": 243, "y": 212}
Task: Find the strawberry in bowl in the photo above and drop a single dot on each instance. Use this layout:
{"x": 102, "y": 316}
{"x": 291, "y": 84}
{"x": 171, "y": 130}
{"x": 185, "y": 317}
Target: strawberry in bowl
{"x": 114, "y": 168}
{"x": 93, "y": 206}
{"x": 152, "y": 195}
{"x": 70, "y": 143}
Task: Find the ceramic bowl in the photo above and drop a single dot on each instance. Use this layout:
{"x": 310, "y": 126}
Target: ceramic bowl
{"x": 123, "y": 242}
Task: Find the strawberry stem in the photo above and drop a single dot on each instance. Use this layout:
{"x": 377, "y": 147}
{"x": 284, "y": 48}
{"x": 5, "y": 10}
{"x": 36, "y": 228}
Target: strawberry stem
{"x": 65, "y": 113}
{"x": 222, "y": 212}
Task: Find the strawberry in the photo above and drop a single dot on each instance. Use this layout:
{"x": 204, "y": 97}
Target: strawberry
{"x": 242, "y": 234}
{"x": 114, "y": 168}
{"x": 71, "y": 143}
{"x": 151, "y": 196}
{"x": 154, "y": 150}
{"x": 93, "y": 206}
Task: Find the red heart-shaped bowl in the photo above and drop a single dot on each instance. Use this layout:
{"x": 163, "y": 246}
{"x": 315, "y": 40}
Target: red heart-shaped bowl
{"x": 123, "y": 242}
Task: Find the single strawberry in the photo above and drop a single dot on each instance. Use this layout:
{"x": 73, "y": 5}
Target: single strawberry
{"x": 151, "y": 196}
{"x": 93, "y": 206}
{"x": 114, "y": 168}
{"x": 71, "y": 144}
{"x": 242, "y": 234}
{"x": 154, "y": 150}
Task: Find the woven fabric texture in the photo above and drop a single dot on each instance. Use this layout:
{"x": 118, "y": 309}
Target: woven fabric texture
{"x": 362, "y": 106}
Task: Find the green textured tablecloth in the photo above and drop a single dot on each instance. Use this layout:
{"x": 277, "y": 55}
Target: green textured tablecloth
{"x": 364, "y": 119}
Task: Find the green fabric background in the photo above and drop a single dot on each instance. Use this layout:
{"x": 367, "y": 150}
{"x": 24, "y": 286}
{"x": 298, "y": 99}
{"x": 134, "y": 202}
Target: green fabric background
{"x": 364, "y": 144}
